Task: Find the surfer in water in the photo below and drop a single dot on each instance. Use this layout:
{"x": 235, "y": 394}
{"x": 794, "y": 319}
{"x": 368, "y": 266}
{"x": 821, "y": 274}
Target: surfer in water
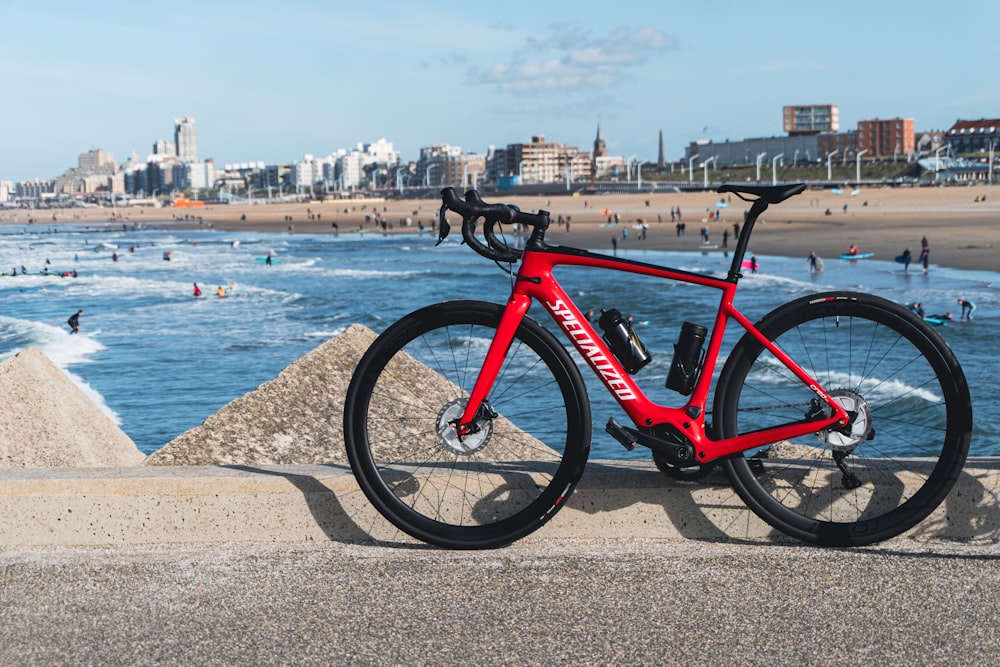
{"x": 197, "y": 290}
{"x": 967, "y": 308}
{"x": 74, "y": 322}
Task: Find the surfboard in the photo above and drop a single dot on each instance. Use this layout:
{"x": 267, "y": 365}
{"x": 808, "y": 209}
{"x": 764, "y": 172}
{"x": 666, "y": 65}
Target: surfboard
{"x": 93, "y": 333}
{"x": 933, "y": 321}
{"x": 819, "y": 265}
{"x": 263, "y": 260}
{"x": 860, "y": 255}
{"x": 904, "y": 259}
{"x": 748, "y": 265}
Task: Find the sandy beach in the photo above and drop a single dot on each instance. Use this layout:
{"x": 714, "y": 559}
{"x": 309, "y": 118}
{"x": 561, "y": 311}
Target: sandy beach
{"x": 963, "y": 233}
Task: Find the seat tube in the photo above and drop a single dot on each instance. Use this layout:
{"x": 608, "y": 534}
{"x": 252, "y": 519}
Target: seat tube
{"x": 513, "y": 313}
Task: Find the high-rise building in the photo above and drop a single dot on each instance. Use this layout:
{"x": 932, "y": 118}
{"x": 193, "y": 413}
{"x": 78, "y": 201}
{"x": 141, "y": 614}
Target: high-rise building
{"x": 164, "y": 147}
{"x": 91, "y": 161}
{"x": 186, "y": 139}
{"x": 811, "y": 118}
{"x": 541, "y": 161}
{"x": 886, "y": 137}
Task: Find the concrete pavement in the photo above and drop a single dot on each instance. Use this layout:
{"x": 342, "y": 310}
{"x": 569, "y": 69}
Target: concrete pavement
{"x": 289, "y": 565}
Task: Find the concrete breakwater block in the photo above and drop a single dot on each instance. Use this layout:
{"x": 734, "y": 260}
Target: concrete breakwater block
{"x": 48, "y": 421}
{"x": 296, "y": 418}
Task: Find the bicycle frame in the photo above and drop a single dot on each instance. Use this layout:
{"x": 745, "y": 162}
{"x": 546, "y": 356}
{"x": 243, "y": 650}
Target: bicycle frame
{"x": 535, "y": 282}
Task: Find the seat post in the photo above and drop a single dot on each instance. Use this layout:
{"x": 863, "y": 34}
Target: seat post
{"x": 735, "y": 269}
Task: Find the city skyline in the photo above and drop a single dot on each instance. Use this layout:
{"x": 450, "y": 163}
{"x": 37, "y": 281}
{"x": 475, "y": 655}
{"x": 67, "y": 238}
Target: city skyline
{"x": 275, "y": 85}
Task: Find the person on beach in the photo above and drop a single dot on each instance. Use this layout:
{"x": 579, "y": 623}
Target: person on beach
{"x": 906, "y": 256}
{"x": 925, "y": 258}
{"x": 753, "y": 263}
{"x": 967, "y": 308}
{"x": 74, "y": 322}
{"x": 853, "y": 250}
{"x": 267, "y": 262}
{"x": 197, "y": 290}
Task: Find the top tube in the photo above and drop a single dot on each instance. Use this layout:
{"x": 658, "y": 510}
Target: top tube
{"x": 473, "y": 208}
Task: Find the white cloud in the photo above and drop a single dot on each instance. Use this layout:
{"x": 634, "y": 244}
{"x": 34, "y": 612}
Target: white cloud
{"x": 570, "y": 59}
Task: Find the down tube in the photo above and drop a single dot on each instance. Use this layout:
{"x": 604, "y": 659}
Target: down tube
{"x": 596, "y": 353}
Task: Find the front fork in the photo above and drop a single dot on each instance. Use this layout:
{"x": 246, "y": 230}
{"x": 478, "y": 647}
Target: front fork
{"x": 510, "y": 320}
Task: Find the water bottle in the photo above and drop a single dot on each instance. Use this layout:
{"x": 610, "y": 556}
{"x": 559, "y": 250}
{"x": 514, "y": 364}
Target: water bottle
{"x": 687, "y": 358}
{"x": 623, "y": 341}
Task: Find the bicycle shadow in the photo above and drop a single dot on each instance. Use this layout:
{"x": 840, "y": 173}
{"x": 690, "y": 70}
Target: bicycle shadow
{"x": 350, "y": 522}
{"x": 636, "y": 497}
{"x": 710, "y": 510}
{"x": 972, "y": 509}
{"x": 633, "y": 499}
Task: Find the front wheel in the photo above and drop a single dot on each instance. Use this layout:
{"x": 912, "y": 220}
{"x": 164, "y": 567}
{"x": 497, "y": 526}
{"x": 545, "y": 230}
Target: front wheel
{"x": 490, "y": 487}
{"x": 904, "y": 447}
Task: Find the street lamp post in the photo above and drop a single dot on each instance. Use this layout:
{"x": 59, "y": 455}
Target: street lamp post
{"x": 399, "y": 178}
{"x": 829, "y": 169}
{"x": 628, "y": 168}
{"x": 989, "y": 167}
{"x": 774, "y": 168}
{"x": 857, "y": 166}
{"x": 704, "y": 166}
{"x": 691, "y": 166}
{"x": 760, "y": 157}
{"x": 638, "y": 175}
{"x": 427, "y": 173}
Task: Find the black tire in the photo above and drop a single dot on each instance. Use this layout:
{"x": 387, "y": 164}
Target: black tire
{"x": 487, "y": 489}
{"x": 878, "y": 357}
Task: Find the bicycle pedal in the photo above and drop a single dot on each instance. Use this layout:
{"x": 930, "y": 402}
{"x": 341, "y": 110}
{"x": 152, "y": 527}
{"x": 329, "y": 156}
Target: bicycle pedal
{"x": 621, "y": 434}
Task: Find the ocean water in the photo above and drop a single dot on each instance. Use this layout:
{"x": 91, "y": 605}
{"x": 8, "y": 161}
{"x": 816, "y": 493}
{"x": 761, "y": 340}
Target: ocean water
{"x": 162, "y": 361}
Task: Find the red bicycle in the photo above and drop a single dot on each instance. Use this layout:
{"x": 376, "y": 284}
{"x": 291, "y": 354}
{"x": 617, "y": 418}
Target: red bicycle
{"x": 839, "y": 418}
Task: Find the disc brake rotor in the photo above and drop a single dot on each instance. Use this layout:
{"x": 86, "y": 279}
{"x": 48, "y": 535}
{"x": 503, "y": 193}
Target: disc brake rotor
{"x": 466, "y": 445}
{"x": 857, "y": 432}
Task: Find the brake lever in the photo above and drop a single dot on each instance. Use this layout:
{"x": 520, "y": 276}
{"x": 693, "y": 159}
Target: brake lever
{"x": 444, "y": 228}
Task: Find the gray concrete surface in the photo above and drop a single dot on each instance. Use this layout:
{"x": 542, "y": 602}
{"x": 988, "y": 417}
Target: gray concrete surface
{"x": 550, "y": 601}
{"x": 289, "y": 565}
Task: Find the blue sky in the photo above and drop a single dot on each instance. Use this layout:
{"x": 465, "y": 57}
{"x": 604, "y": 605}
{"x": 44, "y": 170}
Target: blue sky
{"x": 273, "y": 81}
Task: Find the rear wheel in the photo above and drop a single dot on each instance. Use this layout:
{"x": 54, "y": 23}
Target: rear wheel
{"x": 492, "y": 486}
{"x": 906, "y": 444}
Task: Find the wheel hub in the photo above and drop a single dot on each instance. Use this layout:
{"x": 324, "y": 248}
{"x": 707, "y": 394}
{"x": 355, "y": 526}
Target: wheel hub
{"x": 468, "y": 444}
{"x": 857, "y": 431}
